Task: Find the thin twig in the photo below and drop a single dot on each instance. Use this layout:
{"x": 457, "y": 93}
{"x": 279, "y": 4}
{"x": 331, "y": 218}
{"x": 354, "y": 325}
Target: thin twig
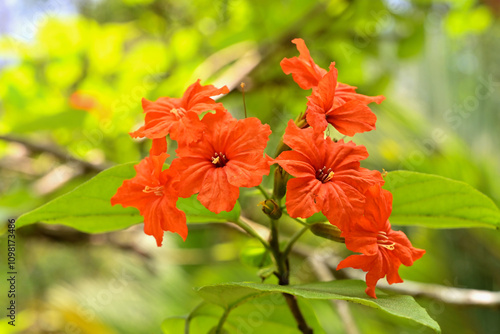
{"x": 263, "y": 191}
{"x": 252, "y": 232}
{"x": 54, "y": 151}
{"x": 296, "y": 219}
{"x": 445, "y": 294}
{"x": 293, "y": 239}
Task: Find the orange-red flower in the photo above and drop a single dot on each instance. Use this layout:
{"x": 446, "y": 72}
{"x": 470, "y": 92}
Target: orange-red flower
{"x": 229, "y": 155}
{"x": 340, "y": 106}
{"x": 179, "y": 116}
{"x": 304, "y": 70}
{"x": 328, "y": 176}
{"x": 154, "y": 193}
{"x": 383, "y": 250}
{"x": 158, "y": 146}
{"x": 331, "y": 101}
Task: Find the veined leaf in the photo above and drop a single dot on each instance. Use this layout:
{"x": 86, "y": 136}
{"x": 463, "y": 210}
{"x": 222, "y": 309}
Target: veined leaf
{"x": 230, "y": 294}
{"x": 87, "y": 208}
{"x": 264, "y": 315}
{"x": 437, "y": 202}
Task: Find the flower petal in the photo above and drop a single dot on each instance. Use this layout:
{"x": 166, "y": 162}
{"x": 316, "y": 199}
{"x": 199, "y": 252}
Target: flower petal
{"x": 378, "y": 207}
{"x": 323, "y": 95}
{"x": 173, "y": 219}
{"x": 316, "y": 118}
{"x": 216, "y": 193}
{"x": 351, "y": 118}
{"x": 158, "y": 146}
{"x": 306, "y": 142}
{"x": 346, "y": 93}
{"x": 152, "y": 221}
{"x": 376, "y": 270}
{"x": 192, "y": 171}
{"x": 361, "y": 241}
{"x": 359, "y": 178}
{"x": 197, "y": 98}
{"x": 296, "y": 164}
{"x": 302, "y": 199}
{"x": 187, "y": 129}
{"x": 218, "y": 128}
{"x": 248, "y": 170}
{"x": 344, "y": 155}
{"x": 304, "y": 71}
{"x": 344, "y": 205}
{"x": 243, "y": 141}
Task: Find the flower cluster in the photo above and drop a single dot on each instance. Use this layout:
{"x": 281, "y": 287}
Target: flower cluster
{"x": 328, "y": 176}
{"x": 215, "y": 157}
{"x": 218, "y": 154}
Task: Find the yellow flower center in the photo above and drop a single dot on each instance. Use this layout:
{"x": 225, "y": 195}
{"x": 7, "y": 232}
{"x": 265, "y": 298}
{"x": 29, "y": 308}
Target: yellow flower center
{"x": 219, "y": 159}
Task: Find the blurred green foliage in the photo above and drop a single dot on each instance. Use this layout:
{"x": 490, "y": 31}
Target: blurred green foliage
{"x": 75, "y": 81}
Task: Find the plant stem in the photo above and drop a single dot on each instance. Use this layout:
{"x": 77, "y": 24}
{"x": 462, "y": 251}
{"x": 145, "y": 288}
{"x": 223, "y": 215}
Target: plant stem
{"x": 291, "y": 300}
{"x": 293, "y": 239}
{"x": 190, "y": 316}
{"x": 296, "y": 219}
{"x": 283, "y": 274}
{"x": 263, "y": 191}
{"x": 278, "y": 256}
{"x": 222, "y": 320}
{"x": 234, "y": 305}
{"x": 252, "y": 232}
{"x": 281, "y": 258}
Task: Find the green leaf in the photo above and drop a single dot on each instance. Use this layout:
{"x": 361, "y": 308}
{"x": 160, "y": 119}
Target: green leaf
{"x": 87, "y": 208}
{"x": 318, "y": 217}
{"x": 266, "y": 272}
{"x": 438, "y": 202}
{"x": 230, "y": 294}
{"x": 197, "y": 213}
{"x": 264, "y": 315}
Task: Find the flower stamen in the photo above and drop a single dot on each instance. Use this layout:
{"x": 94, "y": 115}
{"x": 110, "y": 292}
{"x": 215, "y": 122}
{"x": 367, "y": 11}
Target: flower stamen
{"x": 324, "y": 176}
{"x": 219, "y": 159}
{"x": 383, "y": 241}
{"x": 158, "y": 191}
{"x": 179, "y": 112}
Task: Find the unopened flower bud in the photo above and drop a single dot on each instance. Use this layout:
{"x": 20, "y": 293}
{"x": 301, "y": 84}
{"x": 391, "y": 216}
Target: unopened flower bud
{"x": 327, "y": 231}
{"x": 271, "y": 208}
{"x": 280, "y": 179}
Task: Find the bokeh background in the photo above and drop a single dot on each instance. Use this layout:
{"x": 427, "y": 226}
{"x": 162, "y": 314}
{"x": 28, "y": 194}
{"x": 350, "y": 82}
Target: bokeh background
{"x": 72, "y": 77}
